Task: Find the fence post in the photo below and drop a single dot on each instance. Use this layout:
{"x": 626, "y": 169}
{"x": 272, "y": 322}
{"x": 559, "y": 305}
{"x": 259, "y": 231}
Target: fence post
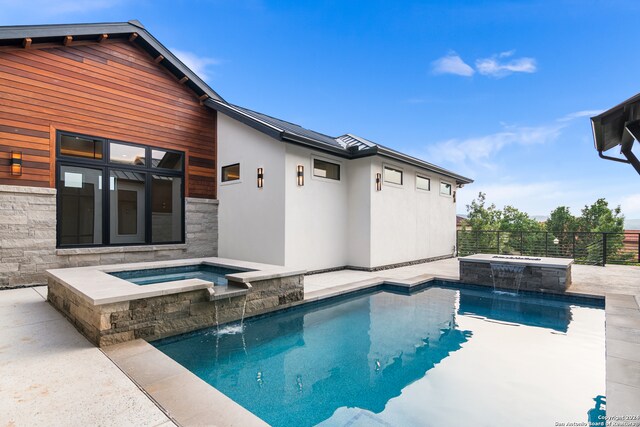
{"x": 546, "y": 243}
{"x": 639, "y": 247}
{"x": 604, "y": 249}
{"x": 498, "y": 245}
{"x": 477, "y": 234}
{"x": 573, "y": 251}
{"x": 521, "y": 243}
{"x": 457, "y": 242}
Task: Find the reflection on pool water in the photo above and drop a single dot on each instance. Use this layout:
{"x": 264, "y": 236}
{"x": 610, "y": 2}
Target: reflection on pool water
{"x": 437, "y": 357}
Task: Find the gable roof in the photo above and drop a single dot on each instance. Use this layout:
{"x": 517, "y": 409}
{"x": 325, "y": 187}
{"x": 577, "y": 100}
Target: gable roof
{"x": 347, "y": 146}
{"x": 31, "y": 36}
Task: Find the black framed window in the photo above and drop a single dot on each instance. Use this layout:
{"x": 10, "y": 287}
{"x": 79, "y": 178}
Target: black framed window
{"x": 231, "y": 172}
{"x": 445, "y": 188}
{"x": 117, "y": 193}
{"x": 325, "y": 169}
{"x": 423, "y": 183}
{"x": 393, "y": 175}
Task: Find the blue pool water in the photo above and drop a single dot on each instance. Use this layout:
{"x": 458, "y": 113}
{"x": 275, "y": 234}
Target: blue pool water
{"x": 210, "y": 273}
{"x": 437, "y": 357}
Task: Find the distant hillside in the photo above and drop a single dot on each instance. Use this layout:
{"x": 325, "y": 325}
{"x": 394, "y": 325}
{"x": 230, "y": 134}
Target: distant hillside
{"x": 632, "y": 224}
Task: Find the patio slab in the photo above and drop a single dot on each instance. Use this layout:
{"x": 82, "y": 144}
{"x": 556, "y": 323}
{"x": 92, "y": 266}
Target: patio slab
{"x": 51, "y": 375}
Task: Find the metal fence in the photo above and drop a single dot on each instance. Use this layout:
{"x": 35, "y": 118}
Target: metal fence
{"x": 584, "y": 248}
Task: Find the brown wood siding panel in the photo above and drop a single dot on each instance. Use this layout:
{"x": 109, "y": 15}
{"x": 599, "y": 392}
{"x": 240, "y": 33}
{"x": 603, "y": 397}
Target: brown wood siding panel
{"x": 112, "y": 90}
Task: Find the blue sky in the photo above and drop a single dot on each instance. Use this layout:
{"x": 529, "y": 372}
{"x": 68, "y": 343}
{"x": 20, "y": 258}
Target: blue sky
{"x": 499, "y": 91}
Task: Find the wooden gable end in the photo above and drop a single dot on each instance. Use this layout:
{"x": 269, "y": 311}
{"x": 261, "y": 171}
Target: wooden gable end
{"x": 111, "y": 90}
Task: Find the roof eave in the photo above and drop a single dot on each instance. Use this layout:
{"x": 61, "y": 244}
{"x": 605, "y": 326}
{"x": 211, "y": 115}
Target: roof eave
{"x": 392, "y": 154}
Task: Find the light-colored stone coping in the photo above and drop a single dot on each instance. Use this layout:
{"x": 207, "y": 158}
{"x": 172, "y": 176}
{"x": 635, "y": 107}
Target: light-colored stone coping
{"x": 121, "y": 249}
{"x": 622, "y": 335}
{"x": 516, "y": 259}
{"x": 27, "y": 189}
{"x": 98, "y": 287}
{"x": 184, "y": 397}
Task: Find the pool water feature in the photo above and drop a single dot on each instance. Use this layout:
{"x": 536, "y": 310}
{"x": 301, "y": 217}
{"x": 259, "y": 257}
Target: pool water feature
{"x": 506, "y": 276}
{"x": 439, "y": 356}
{"x": 210, "y": 273}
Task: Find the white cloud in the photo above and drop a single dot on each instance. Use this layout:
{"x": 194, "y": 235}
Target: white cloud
{"x": 480, "y": 150}
{"x": 452, "y": 64}
{"x": 200, "y": 65}
{"x": 495, "y": 66}
{"x": 630, "y": 205}
{"x": 579, "y": 114}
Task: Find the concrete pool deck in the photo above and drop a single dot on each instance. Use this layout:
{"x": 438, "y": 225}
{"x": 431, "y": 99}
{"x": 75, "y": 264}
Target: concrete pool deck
{"x": 52, "y": 375}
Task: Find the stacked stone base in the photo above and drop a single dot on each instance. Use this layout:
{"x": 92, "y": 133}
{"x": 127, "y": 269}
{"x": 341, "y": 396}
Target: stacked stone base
{"x": 534, "y": 278}
{"x": 168, "y": 315}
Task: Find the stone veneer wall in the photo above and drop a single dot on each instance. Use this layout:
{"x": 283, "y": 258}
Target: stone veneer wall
{"x": 534, "y": 278}
{"x": 168, "y": 315}
{"x": 28, "y": 238}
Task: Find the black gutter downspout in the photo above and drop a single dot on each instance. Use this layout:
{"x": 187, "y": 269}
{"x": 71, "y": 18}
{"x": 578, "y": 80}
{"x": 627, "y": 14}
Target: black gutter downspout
{"x": 615, "y": 159}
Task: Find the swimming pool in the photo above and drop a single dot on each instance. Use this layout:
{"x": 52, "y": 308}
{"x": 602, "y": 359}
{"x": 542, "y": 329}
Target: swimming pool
{"x": 436, "y": 357}
{"x": 150, "y": 276}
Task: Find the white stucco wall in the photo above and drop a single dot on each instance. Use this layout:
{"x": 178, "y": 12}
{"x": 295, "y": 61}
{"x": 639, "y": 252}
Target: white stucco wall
{"x": 316, "y": 213}
{"x": 324, "y": 223}
{"x": 409, "y": 224}
{"x": 251, "y": 219}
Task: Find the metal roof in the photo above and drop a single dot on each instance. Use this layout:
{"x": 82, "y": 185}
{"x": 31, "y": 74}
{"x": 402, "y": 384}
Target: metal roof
{"x": 618, "y": 126}
{"x": 55, "y": 35}
{"x": 347, "y": 146}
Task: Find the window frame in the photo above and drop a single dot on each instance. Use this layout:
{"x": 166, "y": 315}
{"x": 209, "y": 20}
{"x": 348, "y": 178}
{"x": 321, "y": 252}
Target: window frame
{"x": 386, "y": 166}
{"x": 324, "y": 178}
{"x": 428, "y": 178}
{"x": 106, "y": 166}
{"x": 450, "y": 194}
{"x": 231, "y": 181}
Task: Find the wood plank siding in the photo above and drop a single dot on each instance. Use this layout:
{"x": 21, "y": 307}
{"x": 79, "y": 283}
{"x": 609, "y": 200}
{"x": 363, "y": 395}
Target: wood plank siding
{"x": 111, "y": 90}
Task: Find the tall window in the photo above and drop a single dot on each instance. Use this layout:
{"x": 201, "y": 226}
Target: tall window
{"x": 116, "y": 193}
{"x": 445, "y": 188}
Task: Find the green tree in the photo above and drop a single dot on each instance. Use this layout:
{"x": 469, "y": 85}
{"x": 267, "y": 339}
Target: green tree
{"x": 561, "y": 221}
{"x": 601, "y": 219}
{"x": 480, "y": 216}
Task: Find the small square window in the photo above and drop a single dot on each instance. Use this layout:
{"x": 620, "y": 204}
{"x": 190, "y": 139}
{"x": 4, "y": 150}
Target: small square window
{"x": 392, "y": 175}
{"x": 326, "y": 169}
{"x": 445, "y": 188}
{"x": 423, "y": 183}
{"x": 231, "y": 172}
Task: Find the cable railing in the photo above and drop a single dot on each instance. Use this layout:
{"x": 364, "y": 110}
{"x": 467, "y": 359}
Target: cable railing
{"x": 584, "y": 247}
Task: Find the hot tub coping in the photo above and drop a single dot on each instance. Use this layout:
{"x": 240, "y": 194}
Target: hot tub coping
{"x": 97, "y": 287}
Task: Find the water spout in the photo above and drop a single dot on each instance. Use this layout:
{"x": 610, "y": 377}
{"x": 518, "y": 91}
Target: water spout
{"x": 506, "y": 276}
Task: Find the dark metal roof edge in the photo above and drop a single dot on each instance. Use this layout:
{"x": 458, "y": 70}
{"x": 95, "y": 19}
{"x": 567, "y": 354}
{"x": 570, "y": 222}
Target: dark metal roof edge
{"x": 317, "y": 145}
{"x": 621, "y": 105}
{"x": 392, "y": 154}
{"x": 240, "y": 116}
{"x": 133, "y": 26}
{"x": 285, "y": 135}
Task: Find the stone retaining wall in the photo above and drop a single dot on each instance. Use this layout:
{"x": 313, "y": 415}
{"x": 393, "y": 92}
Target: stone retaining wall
{"x": 534, "y": 278}
{"x": 28, "y": 238}
{"x": 168, "y": 315}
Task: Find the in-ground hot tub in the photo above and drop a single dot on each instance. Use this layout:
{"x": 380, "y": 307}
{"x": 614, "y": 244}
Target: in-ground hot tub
{"x": 536, "y": 273}
{"x": 117, "y": 303}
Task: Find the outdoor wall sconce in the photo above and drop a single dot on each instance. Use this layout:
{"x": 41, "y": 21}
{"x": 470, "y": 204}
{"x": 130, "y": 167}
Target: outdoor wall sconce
{"x": 454, "y": 196}
{"x": 378, "y": 181}
{"x": 16, "y": 163}
{"x": 300, "y": 175}
{"x": 260, "y": 177}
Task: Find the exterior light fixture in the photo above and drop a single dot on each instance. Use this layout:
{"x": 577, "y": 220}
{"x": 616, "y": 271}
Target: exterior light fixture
{"x": 16, "y": 163}
{"x": 378, "y": 181}
{"x": 556, "y": 241}
{"x": 300, "y": 175}
{"x": 260, "y": 177}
